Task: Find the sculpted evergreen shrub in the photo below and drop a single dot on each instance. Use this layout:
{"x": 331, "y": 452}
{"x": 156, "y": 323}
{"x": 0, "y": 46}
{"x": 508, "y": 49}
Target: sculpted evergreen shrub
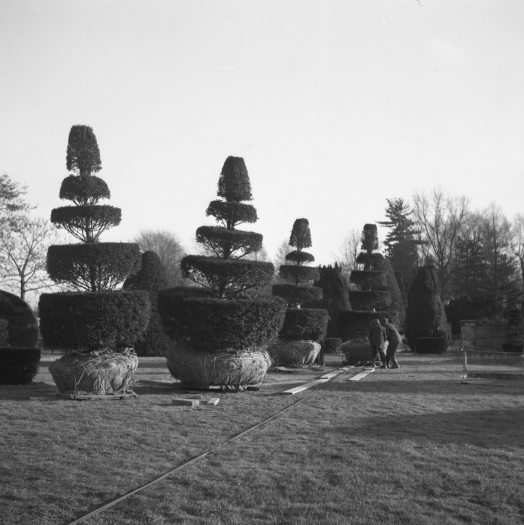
{"x": 93, "y": 320}
{"x": 100, "y": 319}
{"x": 152, "y": 278}
{"x": 18, "y": 365}
{"x": 224, "y": 313}
{"x": 305, "y": 324}
{"x": 425, "y": 315}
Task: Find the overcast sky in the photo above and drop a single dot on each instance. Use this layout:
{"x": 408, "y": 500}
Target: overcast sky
{"x": 334, "y": 105}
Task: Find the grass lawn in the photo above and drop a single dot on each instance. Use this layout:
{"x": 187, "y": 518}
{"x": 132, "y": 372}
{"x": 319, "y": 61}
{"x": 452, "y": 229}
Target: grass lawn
{"x": 414, "y": 445}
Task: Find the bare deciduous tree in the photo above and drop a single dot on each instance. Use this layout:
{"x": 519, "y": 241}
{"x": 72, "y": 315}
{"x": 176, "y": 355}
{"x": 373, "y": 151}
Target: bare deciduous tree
{"x": 166, "y": 245}
{"x": 348, "y": 252}
{"x": 440, "y": 217}
{"x": 23, "y": 251}
{"x": 517, "y": 245}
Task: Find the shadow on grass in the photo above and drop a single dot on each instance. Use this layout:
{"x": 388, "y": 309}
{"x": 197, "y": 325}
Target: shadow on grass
{"x": 500, "y": 429}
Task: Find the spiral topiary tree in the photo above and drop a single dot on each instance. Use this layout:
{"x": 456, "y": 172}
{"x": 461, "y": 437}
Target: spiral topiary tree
{"x": 426, "y": 323}
{"x": 304, "y": 328}
{"x": 96, "y": 323}
{"x": 222, "y": 326}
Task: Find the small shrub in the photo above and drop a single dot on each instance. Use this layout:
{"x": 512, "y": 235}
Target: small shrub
{"x": 22, "y": 327}
{"x": 93, "y": 320}
{"x": 18, "y": 365}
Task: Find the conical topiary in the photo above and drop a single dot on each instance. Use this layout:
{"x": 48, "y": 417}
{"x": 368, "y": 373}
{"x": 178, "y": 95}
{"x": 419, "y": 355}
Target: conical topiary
{"x": 222, "y": 327}
{"x": 426, "y": 323}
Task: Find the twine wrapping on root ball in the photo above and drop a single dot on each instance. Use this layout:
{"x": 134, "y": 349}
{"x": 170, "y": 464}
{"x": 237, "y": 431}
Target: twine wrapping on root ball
{"x": 294, "y": 353}
{"x": 96, "y": 372}
{"x": 232, "y": 371}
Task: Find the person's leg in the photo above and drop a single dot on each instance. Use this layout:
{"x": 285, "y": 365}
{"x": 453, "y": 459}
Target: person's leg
{"x": 393, "y": 355}
{"x": 383, "y": 357}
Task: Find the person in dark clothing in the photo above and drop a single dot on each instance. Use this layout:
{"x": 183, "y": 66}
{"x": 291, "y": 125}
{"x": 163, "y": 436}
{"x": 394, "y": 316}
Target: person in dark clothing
{"x": 394, "y": 339}
{"x": 377, "y": 340}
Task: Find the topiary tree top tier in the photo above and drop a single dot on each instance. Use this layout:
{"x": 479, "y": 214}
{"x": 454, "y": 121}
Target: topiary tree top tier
{"x": 226, "y": 272}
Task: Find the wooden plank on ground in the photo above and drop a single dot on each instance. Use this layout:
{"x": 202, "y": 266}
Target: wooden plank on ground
{"x": 305, "y": 386}
{"x": 361, "y": 375}
{"x": 334, "y": 373}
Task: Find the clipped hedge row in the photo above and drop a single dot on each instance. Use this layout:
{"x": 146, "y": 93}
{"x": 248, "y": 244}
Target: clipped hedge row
{"x": 104, "y": 264}
{"x": 93, "y": 320}
{"x": 305, "y": 323}
{"x": 84, "y": 189}
{"x": 235, "y": 275}
{"x": 18, "y": 365}
{"x": 214, "y": 325}
{"x": 297, "y": 295}
{"x": 299, "y": 274}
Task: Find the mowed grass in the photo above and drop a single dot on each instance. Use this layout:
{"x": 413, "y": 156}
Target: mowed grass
{"x": 414, "y": 445}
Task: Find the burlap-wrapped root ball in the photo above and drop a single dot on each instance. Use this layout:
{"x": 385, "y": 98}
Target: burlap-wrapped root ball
{"x": 95, "y": 373}
{"x": 233, "y": 370}
{"x": 294, "y": 353}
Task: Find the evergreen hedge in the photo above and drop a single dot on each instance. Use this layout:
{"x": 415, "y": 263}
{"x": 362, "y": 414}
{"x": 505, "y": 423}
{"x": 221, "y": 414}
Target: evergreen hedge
{"x": 214, "y": 325}
{"x": 105, "y": 263}
{"x": 18, "y": 365}
{"x": 295, "y": 294}
{"x": 93, "y": 320}
{"x": 20, "y": 324}
{"x": 375, "y": 260}
{"x": 370, "y": 299}
{"x": 152, "y": 278}
{"x": 305, "y": 323}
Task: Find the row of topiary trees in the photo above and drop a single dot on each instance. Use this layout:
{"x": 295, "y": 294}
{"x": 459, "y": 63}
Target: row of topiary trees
{"x": 215, "y": 333}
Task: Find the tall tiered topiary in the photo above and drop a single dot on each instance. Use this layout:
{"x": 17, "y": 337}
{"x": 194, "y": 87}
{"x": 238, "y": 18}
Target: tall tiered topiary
{"x": 301, "y": 324}
{"x": 223, "y": 326}
{"x": 95, "y": 321}
{"x": 375, "y": 292}
{"x": 426, "y": 323}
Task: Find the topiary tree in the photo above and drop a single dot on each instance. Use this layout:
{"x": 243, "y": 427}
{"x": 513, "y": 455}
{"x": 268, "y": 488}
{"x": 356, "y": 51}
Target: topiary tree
{"x": 336, "y": 296}
{"x": 152, "y": 278}
{"x": 374, "y": 294}
{"x": 94, "y": 319}
{"x": 224, "y": 314}
{"x": 426, "y": 323}
{"x": 300, "y": 324}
